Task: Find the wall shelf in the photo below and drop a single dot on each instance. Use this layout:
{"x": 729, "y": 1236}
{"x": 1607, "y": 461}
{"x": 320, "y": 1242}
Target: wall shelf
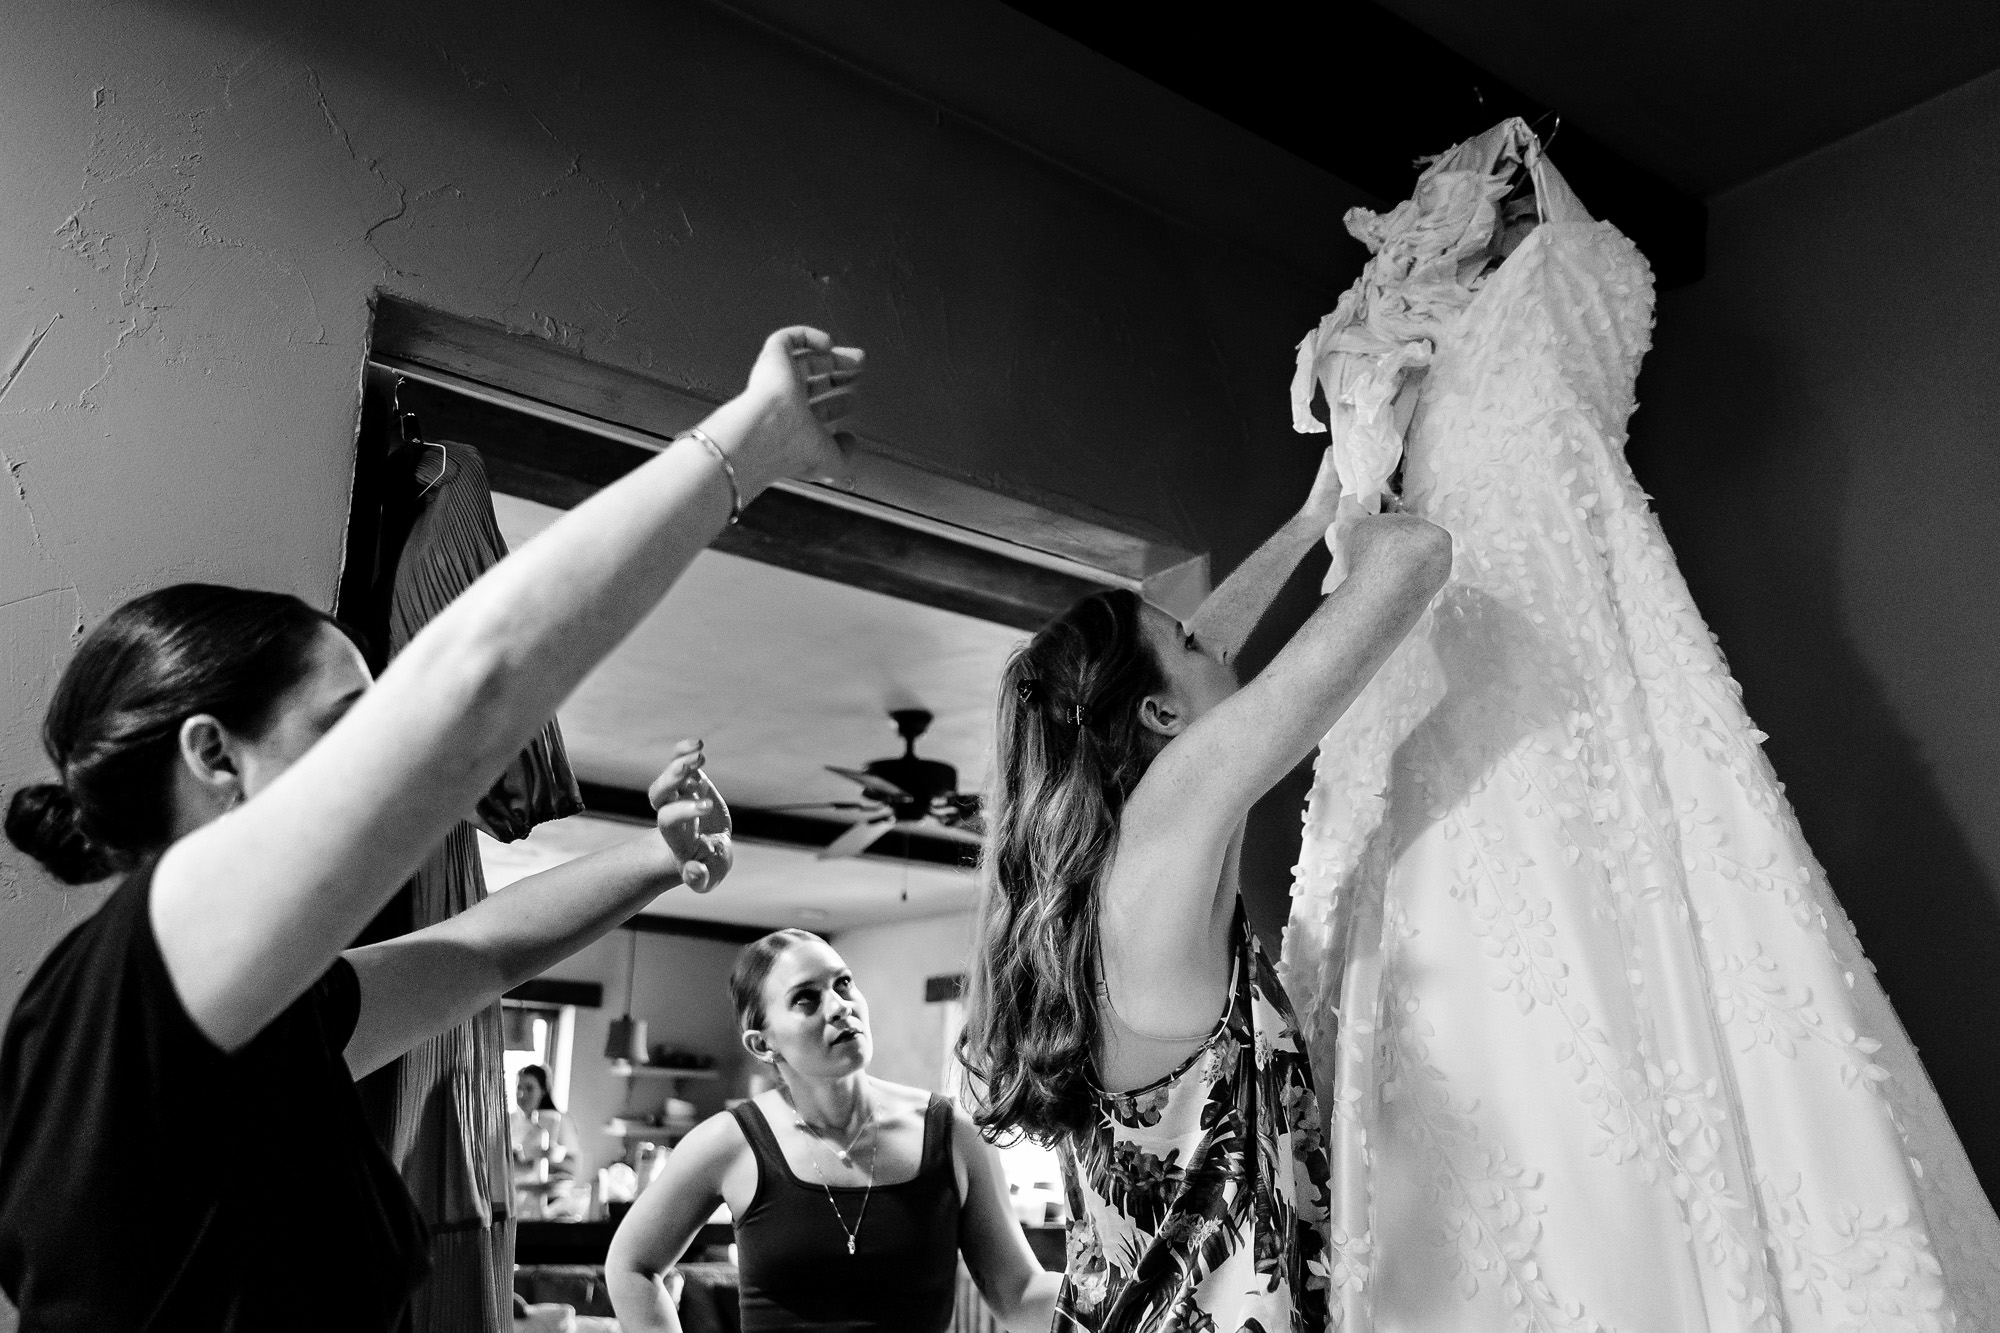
{"x": 647, "y": 1133}
{"x": 627, "y": 1069}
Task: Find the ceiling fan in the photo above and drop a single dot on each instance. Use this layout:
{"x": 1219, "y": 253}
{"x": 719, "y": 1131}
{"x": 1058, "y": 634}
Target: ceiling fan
{"x": 904, "y": 792}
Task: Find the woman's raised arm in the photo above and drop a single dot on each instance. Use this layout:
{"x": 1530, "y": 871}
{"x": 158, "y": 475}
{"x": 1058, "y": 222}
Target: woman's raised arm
{"x": 1161, "y": 901}
{"x": 418, "y": 984}
{"x": 1224, "y": 621}
{"x": 251, "y": 908}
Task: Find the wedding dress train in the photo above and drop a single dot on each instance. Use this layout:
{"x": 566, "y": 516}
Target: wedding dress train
{"x": 1598, "y": 1046}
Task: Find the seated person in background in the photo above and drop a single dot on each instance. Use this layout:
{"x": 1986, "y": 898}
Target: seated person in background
{"x": 544, "y": 1143}
{"x": 853, "y": 1197}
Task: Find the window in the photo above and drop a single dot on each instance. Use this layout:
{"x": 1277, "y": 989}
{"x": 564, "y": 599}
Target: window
{"x": 534, "y": 1033}
{"x": 1034, "y": 1173}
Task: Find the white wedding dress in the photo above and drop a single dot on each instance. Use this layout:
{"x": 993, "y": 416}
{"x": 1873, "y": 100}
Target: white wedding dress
{"x": 1598, "y": 1046}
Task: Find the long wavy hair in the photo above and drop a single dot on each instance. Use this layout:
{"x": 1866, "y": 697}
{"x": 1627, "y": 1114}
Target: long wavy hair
{"x": 1069, "y": 749}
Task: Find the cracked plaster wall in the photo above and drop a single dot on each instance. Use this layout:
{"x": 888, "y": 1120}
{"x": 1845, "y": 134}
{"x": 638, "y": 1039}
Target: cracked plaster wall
{"x": 197, "y": 201}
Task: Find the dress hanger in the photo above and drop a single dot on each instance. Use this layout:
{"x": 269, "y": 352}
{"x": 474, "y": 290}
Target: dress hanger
{"x": 413, "y": 434}
{"x": 1535, "y": 128}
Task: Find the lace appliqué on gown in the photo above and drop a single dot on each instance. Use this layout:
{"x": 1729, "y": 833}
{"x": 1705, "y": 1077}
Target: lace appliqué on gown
{"x": 1599, "y": 1048}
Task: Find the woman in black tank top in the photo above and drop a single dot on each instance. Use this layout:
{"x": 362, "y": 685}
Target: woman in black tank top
{"x": 853, "y": 1197}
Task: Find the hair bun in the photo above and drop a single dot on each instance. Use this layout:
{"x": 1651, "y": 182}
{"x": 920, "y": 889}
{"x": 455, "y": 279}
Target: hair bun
{"x": 43, "y": 820}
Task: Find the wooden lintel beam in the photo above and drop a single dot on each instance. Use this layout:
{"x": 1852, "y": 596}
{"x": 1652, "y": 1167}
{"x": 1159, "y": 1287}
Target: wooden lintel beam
{"x": 555, "y": 990}
{"x": 787, "y": 829}
{"x": 689, "y": 928}
{"x": 561, "y": 466}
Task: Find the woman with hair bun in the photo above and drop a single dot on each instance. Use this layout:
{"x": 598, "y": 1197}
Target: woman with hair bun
{"x": 226, "y": 752}
{"x": 1120, "y": 1008}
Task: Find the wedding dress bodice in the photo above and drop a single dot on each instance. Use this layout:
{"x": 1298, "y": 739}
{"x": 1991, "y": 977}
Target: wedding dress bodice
{"x": 1600, "y": 1049}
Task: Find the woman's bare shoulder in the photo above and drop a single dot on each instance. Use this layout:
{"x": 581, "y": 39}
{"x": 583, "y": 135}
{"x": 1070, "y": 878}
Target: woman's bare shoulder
{"x": 899, "y": 1097}
{"x": 713, "y": 1146}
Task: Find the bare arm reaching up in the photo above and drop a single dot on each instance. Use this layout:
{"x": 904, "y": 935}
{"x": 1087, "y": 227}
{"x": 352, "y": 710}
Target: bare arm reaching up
{"x": 251, "y": 907}
{"x": 1165, "y": 918}
{"x": 1223, "y": 623}
{"x": 420, "y": 983}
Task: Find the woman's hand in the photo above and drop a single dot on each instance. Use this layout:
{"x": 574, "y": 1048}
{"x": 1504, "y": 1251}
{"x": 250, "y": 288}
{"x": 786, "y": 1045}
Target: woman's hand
{"x": 1340, "y": 536}
{"x": 693, "y": 819}
{"x": 1322, "y": 504}
{"x": 1363, "y": 539}
{"x": 800, "y": 389}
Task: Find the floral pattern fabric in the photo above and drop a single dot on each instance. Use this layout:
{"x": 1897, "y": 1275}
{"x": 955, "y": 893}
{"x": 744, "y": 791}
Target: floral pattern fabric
{"x": 1200, "y": 1201}
{"x": 1608, "y": 1054}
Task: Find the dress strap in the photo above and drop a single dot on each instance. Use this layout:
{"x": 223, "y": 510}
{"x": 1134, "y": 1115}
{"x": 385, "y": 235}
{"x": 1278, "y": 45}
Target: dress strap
{"x": 772, "y": 1168}
{"x": 937, "y": 1135}
{"x": 757, "y": 1130}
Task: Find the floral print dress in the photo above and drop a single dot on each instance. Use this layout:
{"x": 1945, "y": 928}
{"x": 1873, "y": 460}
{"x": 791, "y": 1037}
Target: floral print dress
{"x": 1201, "y": 1200}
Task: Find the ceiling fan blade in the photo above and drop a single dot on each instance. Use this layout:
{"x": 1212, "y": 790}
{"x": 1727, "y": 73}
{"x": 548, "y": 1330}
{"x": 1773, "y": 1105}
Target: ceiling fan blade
{"x": 956, "y": 805}
{"x": 826, "y": 805}
{"x": 972, "y": 834}
{"x": 880, "y": 788}
{"x": 858, "y": 839}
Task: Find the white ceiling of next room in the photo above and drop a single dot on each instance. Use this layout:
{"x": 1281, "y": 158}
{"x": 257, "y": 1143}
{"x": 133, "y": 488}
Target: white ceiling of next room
{"x": 861, "y": 630}
{"x": 780, "y": 673}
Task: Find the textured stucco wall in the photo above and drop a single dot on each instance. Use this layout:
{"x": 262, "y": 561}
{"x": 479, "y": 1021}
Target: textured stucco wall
{"x": 198, "y": 200}
{"x": 891, "y": 963}
{"x": 1822, "y": 432}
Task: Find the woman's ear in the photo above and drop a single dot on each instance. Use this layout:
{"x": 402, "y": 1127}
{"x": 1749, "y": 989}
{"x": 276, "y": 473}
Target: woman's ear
{"x": 753, "y": 1042}
{"x": 1160, "y": 715}
{"x": 207, "y": 754}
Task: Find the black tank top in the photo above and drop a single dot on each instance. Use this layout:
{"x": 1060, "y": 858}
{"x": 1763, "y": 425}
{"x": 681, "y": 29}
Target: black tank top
{"x": 794, "y": 1269}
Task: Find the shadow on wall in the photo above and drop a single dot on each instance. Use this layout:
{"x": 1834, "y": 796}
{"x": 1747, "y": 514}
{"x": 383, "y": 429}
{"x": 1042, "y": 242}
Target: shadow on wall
{"x": 1755, "y": 489}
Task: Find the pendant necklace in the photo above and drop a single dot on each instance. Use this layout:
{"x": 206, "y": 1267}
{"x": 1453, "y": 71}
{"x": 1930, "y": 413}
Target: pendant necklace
{"x": 846, "y": 1156}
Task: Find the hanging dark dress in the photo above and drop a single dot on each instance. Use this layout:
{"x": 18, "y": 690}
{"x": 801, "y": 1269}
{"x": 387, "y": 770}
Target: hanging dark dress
{"x": 441, "y": 1110}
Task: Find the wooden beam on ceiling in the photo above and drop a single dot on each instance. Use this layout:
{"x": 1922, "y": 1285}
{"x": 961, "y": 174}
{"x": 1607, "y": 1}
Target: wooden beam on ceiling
{"x": 786, "y": 829}
{"x": 554, "y": 990}
{"x": 688, "y": 928}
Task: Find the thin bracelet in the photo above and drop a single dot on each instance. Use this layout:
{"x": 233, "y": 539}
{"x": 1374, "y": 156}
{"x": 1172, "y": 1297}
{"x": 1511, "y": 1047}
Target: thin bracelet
{"x": 701, "y": 436}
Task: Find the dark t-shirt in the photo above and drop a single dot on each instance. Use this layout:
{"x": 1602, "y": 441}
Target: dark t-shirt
{"x": 149, "y": 1181}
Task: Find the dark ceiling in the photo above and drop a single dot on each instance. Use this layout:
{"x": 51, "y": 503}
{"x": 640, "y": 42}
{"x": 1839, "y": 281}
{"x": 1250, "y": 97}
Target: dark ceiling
{"x": 1265, "y": 122}
{"x": 1704, "y": 94}
{"x": 1710, "y": 93}
{"x": 1361, "y": 93}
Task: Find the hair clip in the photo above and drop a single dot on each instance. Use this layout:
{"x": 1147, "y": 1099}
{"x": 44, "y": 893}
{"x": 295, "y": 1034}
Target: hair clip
{"x": 1025, "y": 691}
{"x": 1076, "y": 714}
